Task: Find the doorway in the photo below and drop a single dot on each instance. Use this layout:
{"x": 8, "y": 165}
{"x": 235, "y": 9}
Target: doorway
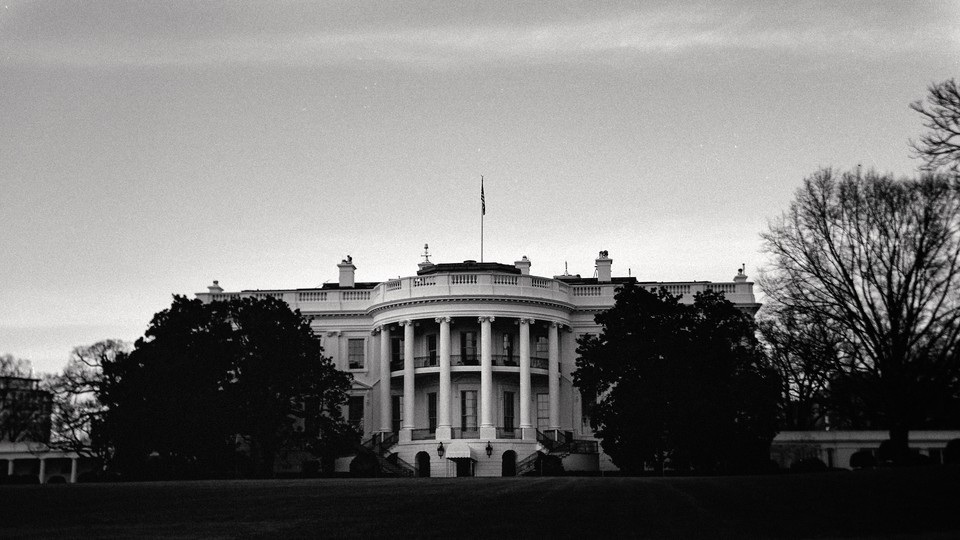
{"x": 423, "y": 465}
{"x": 509, "y": 467}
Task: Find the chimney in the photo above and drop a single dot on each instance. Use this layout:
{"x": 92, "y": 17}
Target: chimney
{"x": 346, "y": 272}
{"x": 524, "y": 265}
{"x": 604, "y": 263}
{"x": 741, "y": 276}
{"x": 215, "y": 288}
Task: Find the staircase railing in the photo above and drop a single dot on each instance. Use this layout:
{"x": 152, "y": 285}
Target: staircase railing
{"x": 528, "y": 463}
{"x": 390, "y": 463}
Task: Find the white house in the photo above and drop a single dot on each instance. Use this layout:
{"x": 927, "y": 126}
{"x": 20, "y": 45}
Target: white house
{"x": 465, "y": 368}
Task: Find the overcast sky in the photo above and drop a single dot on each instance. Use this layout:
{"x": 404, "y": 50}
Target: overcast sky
{"x": 147, "y": 149}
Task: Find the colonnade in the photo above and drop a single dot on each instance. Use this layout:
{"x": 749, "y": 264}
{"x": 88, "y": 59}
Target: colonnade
{"x": 42, "y": 475}
{"x": 487, "y": 425}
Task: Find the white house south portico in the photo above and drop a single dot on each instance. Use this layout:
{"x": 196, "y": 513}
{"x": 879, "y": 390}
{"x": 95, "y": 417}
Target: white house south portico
{"x": 466, "y": 368}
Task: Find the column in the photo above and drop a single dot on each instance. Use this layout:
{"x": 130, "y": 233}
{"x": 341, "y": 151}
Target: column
{"x": 43, "y": 470}
{"x": 526, "y": 426}
{"x": 10, "y": 467}
{"x": 406, "y": 431}
{"x": 386, "y": 400}
{"x": 487, "y": 428}
{"x": 554, "y": 375}
{"x": 73, "y": 470}
{"x": 444, "y": 430}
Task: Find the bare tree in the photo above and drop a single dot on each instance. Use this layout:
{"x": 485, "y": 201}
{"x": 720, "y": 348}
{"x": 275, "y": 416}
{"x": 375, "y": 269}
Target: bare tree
{"x": 76, "y": 407}
{"x": 807, "y": 353}
{"x": 878, "y": 259}
{"x": 11, "y": 366}
{"x": 939, "y": 148}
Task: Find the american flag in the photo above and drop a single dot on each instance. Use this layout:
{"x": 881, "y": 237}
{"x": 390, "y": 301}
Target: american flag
{"x": 483, "y": 200}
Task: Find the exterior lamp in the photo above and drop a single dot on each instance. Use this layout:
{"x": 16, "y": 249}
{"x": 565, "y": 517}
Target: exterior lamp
{"x": 440, "y": 449}
{"x": 489, "y": 449}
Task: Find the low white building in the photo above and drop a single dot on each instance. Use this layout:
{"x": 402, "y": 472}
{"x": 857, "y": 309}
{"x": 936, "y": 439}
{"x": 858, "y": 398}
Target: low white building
{"x": 24, "y": 452}
{"x": 466, "y": 368}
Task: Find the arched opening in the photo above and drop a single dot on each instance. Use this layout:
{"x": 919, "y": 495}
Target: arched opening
{"x": 423, "y": 464}
{"x": 509, "y": 467}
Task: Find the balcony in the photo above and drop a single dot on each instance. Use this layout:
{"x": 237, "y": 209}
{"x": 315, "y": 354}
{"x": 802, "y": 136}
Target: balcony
{"x": 502, "y": 360}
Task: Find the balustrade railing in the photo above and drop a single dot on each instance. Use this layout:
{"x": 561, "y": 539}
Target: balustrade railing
{"x": 459, "y": 433}
{"x": 536, "y": 362}
{"x": 426, "y": 361}
{"x": 505, "y": 360}
{"x": 312, "y": 296}
{"x": 721, "y": 287}
{"x": 349, "y": 296}
{"x": 464, "y": 359}
{"x": 425, "y": 281}
{"x": 588, "y": 290}
{"x": 508, "y": 433}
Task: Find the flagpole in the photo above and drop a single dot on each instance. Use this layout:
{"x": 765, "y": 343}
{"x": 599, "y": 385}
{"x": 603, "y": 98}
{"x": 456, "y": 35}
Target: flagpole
{"x": 483, "y": 211}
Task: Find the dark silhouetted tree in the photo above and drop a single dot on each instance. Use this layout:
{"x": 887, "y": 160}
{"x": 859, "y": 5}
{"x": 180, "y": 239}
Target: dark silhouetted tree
{"x": 684, "y": 384}
{"x": 939, "y": 147}
{"x": 215, "y": 388}
{"x": 878, "y": 260}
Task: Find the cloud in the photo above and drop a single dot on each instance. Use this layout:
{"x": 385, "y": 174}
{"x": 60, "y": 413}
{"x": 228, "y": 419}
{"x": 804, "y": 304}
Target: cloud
{"x": 156, "y": 38}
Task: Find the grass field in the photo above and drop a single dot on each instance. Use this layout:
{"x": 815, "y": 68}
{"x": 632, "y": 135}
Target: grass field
{"x": 921, "y": 502}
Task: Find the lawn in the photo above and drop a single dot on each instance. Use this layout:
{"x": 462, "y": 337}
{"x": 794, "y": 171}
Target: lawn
{"x": 921, "y": 502}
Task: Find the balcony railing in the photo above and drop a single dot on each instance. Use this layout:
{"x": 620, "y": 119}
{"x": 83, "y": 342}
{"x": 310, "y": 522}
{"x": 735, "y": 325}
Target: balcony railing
{"x": 465, "y": 359}
{"x": 458, "y": 433}
{"x": 508, "y": 433}
{"x": 426, "y": 361}
{"x": 536, "y": 362}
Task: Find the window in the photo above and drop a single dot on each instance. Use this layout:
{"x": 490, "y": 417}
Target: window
{"x": 508, "y": 414}
{"x": 508, "y": 349}
{"x": 543, "y": 411}
{"x": 432, "y": 411}
{"x": 432, "y": 350}
{"x": 542, "y": 345}
{"x": 355, "y": 412}
{"x": 355, "y": 353}
{"x": 397, "y": 410}
{"x": 468, "y": 410}
{"x": 468, "y": 348}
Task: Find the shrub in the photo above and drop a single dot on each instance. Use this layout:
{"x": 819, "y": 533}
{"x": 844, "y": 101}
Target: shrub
{"x": 808, "y": 465}
{"x": 863, "y": 459}
{"x": 951, "y": 454}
